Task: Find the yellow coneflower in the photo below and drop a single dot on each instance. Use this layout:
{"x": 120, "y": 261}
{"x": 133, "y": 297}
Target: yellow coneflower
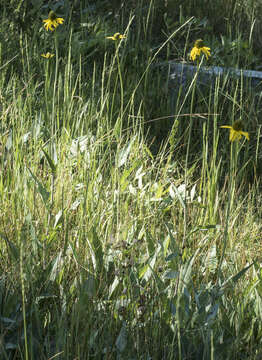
{"x": 53, "y": 21}
{"x": 48, "y": 55}
{"x": 198, "y": 49}
{"x": 116, "y": 36}
{"x": 236, "y": 131}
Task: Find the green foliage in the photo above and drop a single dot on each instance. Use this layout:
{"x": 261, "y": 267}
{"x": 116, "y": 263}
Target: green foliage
{"x": 130, "y": 226}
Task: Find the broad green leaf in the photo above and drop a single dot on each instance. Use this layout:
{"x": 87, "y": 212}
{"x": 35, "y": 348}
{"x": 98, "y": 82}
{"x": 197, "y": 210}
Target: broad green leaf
{"x": 58, "y": 218}
{"x": 57, "y": 268}
{"x": 50, "y": 162}
{"x": 123, "y": 180}
{"x": 174, "y": 192}
{"x": 124, "y": 153}
{"x": 41, "y": 189}
{"x": 13, "y": 249}
{"x": 96, "y": 249}
{"x": 212, "y": 314}
{"x": 113, "y": 286}
{"x": 9, "y": 141}
{"x": 166, "y": 245}
{"x": 147, "y": 270}
{"x": 236, "y": 277}
{"x": 143, "y": 271}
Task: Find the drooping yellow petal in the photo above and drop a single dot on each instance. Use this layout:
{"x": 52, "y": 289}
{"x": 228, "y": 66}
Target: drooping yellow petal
{"x": 194, "y": 53}
{"x": 198, "y": 49}
{"x": 53, "y": 21}
{"x": 49, "y": 25}
{"x": 235, "y": 133}
{"x": 116, "y": 36}
{"x": 245, "y": 133}
{"x": 206, "y": 51}
{"x": 60, "y": 20}
{"x": 48, "y": 55}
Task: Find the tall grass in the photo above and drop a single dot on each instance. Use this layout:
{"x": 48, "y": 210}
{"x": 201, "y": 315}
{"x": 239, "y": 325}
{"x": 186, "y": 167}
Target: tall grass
{"x": 130, "y": 225}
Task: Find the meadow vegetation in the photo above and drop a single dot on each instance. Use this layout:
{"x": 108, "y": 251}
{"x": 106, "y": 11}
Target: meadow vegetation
{"x": 130, "y": 226}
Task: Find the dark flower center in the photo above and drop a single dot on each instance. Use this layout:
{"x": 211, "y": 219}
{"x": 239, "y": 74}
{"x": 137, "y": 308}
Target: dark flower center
{"x": 52, "y": 16}
{"x": 199, "y": 43}
{"x": 238, "y": 125}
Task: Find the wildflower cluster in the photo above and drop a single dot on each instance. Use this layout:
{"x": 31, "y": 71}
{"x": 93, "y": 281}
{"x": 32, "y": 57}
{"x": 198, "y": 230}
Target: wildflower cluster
{"x": 51, "y": 23}
{"x": 236, "y": 130}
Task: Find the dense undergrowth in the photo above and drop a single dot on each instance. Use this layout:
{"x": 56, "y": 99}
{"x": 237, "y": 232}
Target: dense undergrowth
{"x": 130, "y": 224}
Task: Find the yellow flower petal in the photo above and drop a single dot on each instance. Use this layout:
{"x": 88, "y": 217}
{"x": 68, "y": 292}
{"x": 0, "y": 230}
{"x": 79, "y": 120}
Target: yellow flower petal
{"x": 244, "y": 133}
{"x": 48, "y": 55}
{"x": 116, "y": 36}
{"x": 194, "y": 53}
{"x": 235, "y": 134}
{"x": 206, "y": 51}
{"x": 60, "y": 20}
{"x": 198, "y": 49}
{"x": 49, "y": 25}
{"x": 52, "y": 22}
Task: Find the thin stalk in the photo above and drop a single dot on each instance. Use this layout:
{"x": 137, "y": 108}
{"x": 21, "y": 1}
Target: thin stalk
{"x": 22, "y": 239}
{"x": 186, "y": 168}
{"x": 193, "y": 86}
{"x": 231, "y": 192}
{"x": 121, "y": 83}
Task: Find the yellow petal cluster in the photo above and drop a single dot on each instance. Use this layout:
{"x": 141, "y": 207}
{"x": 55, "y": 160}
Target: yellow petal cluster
{"x": 236, "y": 131}
{"x": 53, "y": 21}
{"x": 116, "y": 36}
{"x": 48, "y": 55}
{"x": 198, "y": 49}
